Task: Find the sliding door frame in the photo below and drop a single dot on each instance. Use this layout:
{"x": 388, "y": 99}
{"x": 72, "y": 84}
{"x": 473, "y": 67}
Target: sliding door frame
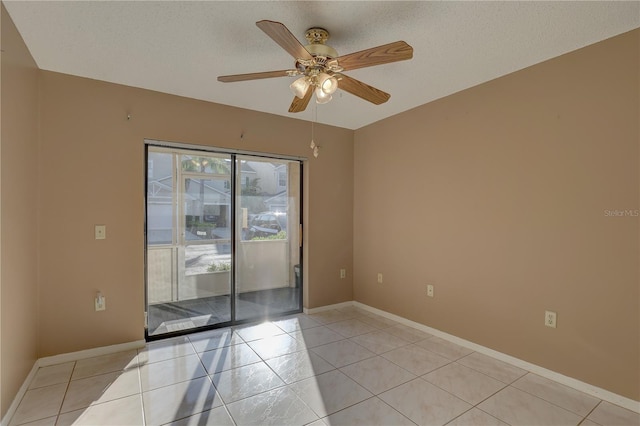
{"x": 233, "y": 223}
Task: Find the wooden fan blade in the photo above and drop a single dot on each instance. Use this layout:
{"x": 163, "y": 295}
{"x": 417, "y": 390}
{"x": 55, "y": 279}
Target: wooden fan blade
{"x": 392, "y": 52}
{"x": 253, "y": 76}
{"x": 281, "y": 35}
{"x": 362, "y": 90}
{"x": 299, "y": 105}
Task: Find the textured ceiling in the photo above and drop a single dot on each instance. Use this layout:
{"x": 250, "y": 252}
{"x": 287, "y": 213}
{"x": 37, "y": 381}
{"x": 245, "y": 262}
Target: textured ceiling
{"x": 181, "y": 47}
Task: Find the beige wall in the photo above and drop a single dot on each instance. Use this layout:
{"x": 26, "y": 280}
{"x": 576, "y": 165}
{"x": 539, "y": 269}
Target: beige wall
{"x": 92, "y": 172}
{"x": 496, "y": 195}
{"x": 19, "y": 189}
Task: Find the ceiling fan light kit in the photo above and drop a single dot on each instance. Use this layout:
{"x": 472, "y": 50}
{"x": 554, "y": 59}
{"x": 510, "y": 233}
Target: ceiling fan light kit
{"x": 320, "y": 67}
{"x": 322, "y": 97}
{"x": 300, "y": 86}
{"x": 327, "y": 83}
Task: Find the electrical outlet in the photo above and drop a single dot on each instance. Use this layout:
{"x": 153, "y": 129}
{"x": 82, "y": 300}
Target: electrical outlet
{"x": 430, "y": 290}
{"x": 343, "y": 273}
{"x": 379, "y": 278}
{"x": 100, "y": 302}
{"x": 550, "y": 319}
{"x": 101, "y": 232}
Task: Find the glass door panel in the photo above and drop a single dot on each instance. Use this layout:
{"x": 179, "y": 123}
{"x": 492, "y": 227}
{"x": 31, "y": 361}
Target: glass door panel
{"x": 188, "y": 240}
{"x": 161, "y": 240}
{"x": 267, "y": 261}
{"x": 204, "y": 278}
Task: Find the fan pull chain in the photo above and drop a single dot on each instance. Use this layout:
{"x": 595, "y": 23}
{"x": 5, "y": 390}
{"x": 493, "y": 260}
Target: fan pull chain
{"x": 313, "y": 145}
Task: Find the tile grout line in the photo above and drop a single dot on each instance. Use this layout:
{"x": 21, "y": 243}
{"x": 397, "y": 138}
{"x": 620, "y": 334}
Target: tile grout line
{"x": 42, "y": 387}
{"x": 288, "y": 385}
{"x": 66, "y": 390}
{"x": 351, "y": 405}
{"x": 486, "y": 374}
{"x": 542, "y": 399}
{"x": 479, "y": 372}
{"x": 489, "y": 414}
{"x": 475, "y": 407}
{"x": 377, "y": 395}
{"x": 224, "y": 403}
{"x": 373, "y": 396}
{"x": 552, "y": 402}
{"x": 264, "y": 361}
{"x": 142, "y": 392}
{"x": 590, "y": 412}
{"x": 144, "y": 417}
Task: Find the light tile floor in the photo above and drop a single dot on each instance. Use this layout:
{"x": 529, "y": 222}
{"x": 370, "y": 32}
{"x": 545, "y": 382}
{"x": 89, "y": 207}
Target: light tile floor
{"x": 339, "y": 367}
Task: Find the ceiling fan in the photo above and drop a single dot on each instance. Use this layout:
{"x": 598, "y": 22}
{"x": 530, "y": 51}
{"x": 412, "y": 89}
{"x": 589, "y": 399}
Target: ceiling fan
{"x": 321, "y": 68}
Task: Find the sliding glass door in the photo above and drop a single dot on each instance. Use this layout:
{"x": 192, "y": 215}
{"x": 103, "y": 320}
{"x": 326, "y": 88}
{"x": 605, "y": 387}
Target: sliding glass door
{"x": 222, "y": 239}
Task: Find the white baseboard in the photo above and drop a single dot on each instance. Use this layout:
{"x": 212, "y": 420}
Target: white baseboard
{"x": 90, "y": 353}
{"x": 59, "y": 359}
{"x": 327, "y": 307}
{"x": 592, "y": 390}
{"x": 16, "y": 401}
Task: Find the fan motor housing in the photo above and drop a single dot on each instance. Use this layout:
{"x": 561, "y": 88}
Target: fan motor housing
{"x": 317, "y": 47}
{"x": 321, "y": 50}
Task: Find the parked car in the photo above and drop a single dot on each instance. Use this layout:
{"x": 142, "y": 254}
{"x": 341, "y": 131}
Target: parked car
{"x": 266, "y": 224}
